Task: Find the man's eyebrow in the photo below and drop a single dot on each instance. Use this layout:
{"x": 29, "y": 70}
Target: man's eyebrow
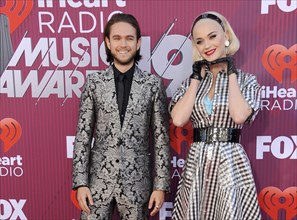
{"x": 118, "y": 35}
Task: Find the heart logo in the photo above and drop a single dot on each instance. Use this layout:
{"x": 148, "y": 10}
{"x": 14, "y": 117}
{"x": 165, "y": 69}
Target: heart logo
{"x": 11, "y": 132}
{"x": 277, "y": 58}
{"x": 74, "y": 200}
{"x": 272, "y": 199}
{"x": 16, "y": 11}
{"x": 181, "y": 137}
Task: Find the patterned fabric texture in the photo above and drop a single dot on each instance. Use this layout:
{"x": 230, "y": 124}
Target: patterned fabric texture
{"x": 122, "y": 154}
{"x": 217, "y": 181}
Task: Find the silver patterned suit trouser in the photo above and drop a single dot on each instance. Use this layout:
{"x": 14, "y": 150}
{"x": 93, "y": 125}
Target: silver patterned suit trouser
{"x": 126, "y": 209}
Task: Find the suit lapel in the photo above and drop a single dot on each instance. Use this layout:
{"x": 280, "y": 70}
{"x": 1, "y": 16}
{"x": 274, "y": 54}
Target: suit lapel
{"x": 110, "y": 97}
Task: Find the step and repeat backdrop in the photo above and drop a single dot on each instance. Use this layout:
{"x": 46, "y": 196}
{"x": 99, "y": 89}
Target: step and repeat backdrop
{"x": 47, "y": 47}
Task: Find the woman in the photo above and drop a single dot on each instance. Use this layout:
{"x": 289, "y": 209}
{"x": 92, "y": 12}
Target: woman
{"x": 217, "y": 180}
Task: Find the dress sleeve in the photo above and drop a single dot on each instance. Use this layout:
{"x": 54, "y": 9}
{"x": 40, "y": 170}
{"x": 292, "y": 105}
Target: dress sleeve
{"x": 179, "y": 93}
{"x": 251, "y": 91}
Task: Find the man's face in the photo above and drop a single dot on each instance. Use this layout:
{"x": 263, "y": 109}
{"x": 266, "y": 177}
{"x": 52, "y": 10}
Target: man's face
{"x": 123, "y": 44}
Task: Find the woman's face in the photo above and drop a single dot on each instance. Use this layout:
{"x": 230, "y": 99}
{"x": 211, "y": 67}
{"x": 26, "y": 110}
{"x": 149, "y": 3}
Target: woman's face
{"x": 209, "y": 39}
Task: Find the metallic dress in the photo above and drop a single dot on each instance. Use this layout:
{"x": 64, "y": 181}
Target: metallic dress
{"x": 217, "y": 181}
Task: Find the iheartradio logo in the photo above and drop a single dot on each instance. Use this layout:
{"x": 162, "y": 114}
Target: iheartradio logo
{"x": 180, "y": 137}
{"x": 16, "y": 11}
{"x": 74, "y": 199}
{"x": 11, "y": 132}
{"x": 272, "y": 199}
{"x": 277, "y": 58}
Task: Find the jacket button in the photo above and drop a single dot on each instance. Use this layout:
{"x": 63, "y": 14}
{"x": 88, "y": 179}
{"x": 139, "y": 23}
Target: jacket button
{"x": 120, "y": 142}
{"x": 117, "y": 160}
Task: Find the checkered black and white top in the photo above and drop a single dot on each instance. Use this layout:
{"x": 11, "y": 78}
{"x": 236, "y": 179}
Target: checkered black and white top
{"x": 217, "y": 181}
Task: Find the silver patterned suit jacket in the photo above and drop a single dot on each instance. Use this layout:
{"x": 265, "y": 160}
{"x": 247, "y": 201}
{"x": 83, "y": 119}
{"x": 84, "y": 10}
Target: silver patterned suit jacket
{"x": 122, "y": 152}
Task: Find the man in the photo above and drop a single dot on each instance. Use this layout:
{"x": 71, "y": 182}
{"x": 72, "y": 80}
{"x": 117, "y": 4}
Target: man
{"x": 119, "y": 114}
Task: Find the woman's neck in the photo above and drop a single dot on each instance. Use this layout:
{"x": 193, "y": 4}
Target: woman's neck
{"x": 217, "y": 68}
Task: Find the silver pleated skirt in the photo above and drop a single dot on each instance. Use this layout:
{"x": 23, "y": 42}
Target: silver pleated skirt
{"x": 216, "y": 184}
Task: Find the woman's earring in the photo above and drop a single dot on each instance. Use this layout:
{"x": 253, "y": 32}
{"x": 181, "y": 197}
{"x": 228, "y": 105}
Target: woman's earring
{"x": 227, "y": 44}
